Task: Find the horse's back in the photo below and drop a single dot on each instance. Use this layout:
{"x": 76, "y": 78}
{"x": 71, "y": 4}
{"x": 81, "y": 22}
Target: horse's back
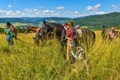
{"x": 86, "y": 36}
{"x": 86, "y": 32}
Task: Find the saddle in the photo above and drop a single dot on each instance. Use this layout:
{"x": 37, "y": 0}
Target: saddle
{"x": 79, "y": 32}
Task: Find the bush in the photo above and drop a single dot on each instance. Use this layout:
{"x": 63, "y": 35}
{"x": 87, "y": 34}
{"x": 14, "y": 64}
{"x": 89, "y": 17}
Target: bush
{"x": 1, "y": 30}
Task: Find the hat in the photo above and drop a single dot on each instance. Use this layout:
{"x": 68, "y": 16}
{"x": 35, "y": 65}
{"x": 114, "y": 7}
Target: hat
{"x": 113, "y": 28}
{"x": 8, "y": 24}
{"x": 70, "y": 23}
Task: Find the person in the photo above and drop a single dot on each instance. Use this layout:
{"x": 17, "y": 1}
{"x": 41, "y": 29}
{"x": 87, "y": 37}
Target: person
{"x": 112, "y": 33}
{"x": 9, "y": 34}
{"x": 14, "y": 30}
{"x": 69, "y": 37}
{"x": 65, "y": 26}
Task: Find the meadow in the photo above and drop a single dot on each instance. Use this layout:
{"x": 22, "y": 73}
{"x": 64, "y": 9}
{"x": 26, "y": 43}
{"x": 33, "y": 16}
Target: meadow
{"x": 25, "y": 61}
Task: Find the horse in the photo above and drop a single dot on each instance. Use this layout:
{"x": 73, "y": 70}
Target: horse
{"x": 83, "y": 36}
{"x": 106, "y": 35}
{"x": 31, "y": 28}
{"x": 47, "y": 30}
{"x": 105, "y": 32}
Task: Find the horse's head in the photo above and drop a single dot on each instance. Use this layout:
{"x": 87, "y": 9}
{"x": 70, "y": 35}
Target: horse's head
{"x": 44, "y": 28}
{"x": 36, "y": 39}
{"x": 27, "y": 30}
{"x": 104, "y": 32}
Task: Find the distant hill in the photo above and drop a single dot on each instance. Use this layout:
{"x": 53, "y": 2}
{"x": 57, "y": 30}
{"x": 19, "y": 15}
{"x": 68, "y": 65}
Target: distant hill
{"x": 53, "y": 19}
{"x": 111, "y": 19}
{"x": 34, "y": 20}
{"x": 13, "y": 20}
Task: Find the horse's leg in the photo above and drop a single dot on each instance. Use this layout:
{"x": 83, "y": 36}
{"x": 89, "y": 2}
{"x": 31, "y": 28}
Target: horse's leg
{"x": 63, "y": 39}
{"x": 41, "y": 40}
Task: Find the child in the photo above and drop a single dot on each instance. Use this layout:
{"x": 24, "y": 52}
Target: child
{"x": 9, "y": 34}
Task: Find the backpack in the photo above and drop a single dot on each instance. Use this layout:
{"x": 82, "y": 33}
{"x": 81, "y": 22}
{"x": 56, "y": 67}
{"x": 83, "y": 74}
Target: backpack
{"x": 14, "y": 30}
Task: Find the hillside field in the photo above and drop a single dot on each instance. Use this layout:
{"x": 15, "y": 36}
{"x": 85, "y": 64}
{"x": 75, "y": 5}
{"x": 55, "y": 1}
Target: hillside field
{"x": 25, "y": 61}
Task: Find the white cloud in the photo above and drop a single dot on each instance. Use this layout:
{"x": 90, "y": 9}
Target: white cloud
{"x": 9, "y": 6}
{"x": 93, "y": 8}
{"x": 48, "y": 11}
{"x": 2, "y": 11}
{"x": 9, "y": 12}
{"x": 41, "y": 6}
{"x": 18, "y": 12}
{"x": 34, "y": 12}
{"x": 39, "y": 13}
{"x": 100, "y": 12}
{"x": 28, "y": 10}
{"x": 60, "y": 7}
{"x": 114, "y": 6}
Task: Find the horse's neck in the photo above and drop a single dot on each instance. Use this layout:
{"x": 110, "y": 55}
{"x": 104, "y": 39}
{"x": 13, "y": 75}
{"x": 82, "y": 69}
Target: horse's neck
{"x": 33, "y": 29}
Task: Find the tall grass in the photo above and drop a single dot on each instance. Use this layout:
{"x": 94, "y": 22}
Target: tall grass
{"x": 25, "y": 61}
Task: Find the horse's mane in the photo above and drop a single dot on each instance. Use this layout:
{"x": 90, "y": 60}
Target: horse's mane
{"x": 33, "y": 27}
{"x": 54, "y": 24}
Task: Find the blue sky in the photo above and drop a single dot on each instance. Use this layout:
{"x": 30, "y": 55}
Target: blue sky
{"x": 57, "y": 8}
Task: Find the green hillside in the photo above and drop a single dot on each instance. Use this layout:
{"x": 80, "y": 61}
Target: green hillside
{"x": 93, "y": 21}
{"x": 111, "y": 19}
{"x": 13, "y": 20}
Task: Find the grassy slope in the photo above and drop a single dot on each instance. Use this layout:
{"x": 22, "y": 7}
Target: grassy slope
{"x": 26, "y": 61}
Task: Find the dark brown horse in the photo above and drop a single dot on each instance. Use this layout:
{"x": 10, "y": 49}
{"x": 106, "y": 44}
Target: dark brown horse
{"x": 83, "y": 37}
{"x": 31, "y": 28}
{"x": 46, "y": 31}
{"x": 106, "y": 35}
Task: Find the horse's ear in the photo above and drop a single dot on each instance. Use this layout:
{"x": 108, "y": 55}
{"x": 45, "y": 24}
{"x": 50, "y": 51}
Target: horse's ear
{"x": 103, "y": 26}
{"x": 44, "y": 22}
{"x": 28, "y": 27}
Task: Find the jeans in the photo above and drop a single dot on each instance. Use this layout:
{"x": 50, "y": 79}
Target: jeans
{"x": 9, "y": 40}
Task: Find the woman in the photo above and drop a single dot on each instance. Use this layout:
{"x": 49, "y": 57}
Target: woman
{"x": 112, "y": 33}
{"x": 70, "y": 37}
{"x": 9, "y": 34}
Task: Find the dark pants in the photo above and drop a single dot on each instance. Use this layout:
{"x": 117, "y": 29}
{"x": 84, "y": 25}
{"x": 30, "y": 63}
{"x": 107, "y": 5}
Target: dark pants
{"x": 9, "y": 40}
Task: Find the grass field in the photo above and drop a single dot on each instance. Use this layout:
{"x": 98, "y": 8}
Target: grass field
{"x": 25, "y": 61}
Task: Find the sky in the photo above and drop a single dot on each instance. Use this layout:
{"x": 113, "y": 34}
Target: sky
{"x": 57, "y": 8}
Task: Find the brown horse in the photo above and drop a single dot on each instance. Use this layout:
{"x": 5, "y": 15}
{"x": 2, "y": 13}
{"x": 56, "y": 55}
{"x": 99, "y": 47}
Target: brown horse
{"x": 31, "y": 28}
{"x": 85, "y": 37}
{"x": 105, "y": 34}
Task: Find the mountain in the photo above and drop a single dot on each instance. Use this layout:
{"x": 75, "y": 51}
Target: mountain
{"x": 13, "y": 20}
{"x": 34, "y": 20}
{"x": 53, "y": 19}
{"x": 111, "y": 19}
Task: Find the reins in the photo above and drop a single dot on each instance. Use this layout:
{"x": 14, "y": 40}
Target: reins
{"x": 25, "y": 42}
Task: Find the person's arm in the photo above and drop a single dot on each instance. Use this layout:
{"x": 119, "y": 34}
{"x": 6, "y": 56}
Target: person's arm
{"x": 6, "y": 31}
{"x": 69, "y": 38}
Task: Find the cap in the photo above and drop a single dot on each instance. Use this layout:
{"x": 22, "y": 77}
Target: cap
{"x": 8, "y": 24}
{"x": 70, "y": 23}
